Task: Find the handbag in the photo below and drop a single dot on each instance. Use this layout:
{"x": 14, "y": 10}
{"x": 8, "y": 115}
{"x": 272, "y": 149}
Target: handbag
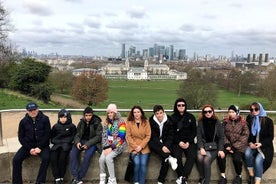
{"x": 129, "y": 170}
{"x": 210, "y": 146}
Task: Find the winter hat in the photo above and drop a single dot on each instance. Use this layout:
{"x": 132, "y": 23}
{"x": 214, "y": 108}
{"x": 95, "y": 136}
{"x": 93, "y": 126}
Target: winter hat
{"x": 234, "y": 108}
{"x": 63, "y": 113}
{"x": 112, "y": 108}
{"x": 31, "y": 106}
{"x": 88, "y": 110}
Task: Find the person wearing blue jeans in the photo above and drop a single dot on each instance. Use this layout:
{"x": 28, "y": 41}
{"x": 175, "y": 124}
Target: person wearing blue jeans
{"x": 140, "y": 169}
{"x": 138, "y": 133}
{"x": 34, "y": 133}
{"x": 87, "y": 139}
{"x": 260, "y": 151}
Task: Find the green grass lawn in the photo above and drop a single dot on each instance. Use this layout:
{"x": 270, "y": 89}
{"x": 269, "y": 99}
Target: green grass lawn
{"x": 128, "y": 93}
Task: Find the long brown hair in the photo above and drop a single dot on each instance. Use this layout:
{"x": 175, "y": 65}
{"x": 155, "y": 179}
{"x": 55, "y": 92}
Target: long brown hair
{"x": 214, "y": 116}
{"x": 131, "y": 115}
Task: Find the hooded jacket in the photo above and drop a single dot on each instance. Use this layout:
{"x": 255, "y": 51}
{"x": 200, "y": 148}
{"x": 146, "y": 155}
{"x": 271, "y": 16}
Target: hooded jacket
{"x": 95, "y": 134}
{"x": 62, "y": 135}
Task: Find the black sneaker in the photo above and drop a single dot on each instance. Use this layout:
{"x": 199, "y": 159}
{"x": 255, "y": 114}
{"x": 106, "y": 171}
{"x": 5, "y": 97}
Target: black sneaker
{"x": 237, "y": 180}
{"x": 184, "y": 180}
{"x": 201, "y": 180}
{"x": 222, "y": 180}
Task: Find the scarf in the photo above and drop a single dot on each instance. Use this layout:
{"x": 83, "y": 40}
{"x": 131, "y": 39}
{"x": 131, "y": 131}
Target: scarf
{"x": 256, "y": 127}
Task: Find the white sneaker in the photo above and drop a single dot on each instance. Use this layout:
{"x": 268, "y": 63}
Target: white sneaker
{"x": 179, "y": 180}
{"x": 159, "y": 182}
{"x": 173, "y": 162}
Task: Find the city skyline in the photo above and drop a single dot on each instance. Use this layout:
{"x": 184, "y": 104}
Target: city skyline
{"x": 99, "y": 28}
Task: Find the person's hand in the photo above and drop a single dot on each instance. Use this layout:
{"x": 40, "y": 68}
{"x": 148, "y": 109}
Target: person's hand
{"x": 229, "y": 149}
{"x": 138, "y": 149}
{"x": 221, "y": 154}
{"x": 32, "y": 151}
{"x": 252, "y": 146}
{"x": 84, "y": 147}
{"x": 183, "y": 145}
{"x": 258, "y": 145}
{"x": 78, "y": 145}
{"x": 37, "y": 150}
{"x": 202, "y": 151}
{"x": 107, "y": 151}
{"x": 165, "y": 149}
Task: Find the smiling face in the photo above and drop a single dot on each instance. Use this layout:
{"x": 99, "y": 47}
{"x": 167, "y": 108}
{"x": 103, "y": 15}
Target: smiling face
{"x": 137, "y": 114}
{"x": 159, "y": 115}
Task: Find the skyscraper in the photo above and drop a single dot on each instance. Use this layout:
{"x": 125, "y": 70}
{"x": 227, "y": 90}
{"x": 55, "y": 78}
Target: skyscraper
{"x": 123, "y": 54}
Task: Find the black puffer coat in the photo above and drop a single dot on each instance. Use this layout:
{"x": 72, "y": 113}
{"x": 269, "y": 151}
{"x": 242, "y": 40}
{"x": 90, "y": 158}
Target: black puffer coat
{"x": 62, "y": 135}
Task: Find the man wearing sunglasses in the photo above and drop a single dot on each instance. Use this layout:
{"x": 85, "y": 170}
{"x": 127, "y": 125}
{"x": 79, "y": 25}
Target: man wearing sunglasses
{"x": 184, "y": 124}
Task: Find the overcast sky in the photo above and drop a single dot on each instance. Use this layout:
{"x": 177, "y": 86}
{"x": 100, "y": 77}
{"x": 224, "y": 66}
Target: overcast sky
{"x": 99, "y": 27}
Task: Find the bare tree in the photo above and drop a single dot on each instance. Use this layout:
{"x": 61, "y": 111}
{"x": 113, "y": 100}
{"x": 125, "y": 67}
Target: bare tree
{"x": 91, "y": 88}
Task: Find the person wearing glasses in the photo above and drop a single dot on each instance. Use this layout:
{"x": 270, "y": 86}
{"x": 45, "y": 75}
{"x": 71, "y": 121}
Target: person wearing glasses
{"x": 236, "y": 136}
{"x": 184, "y": 125}
{"x": 260, "y": 151}
{"x": 209, "y": 130}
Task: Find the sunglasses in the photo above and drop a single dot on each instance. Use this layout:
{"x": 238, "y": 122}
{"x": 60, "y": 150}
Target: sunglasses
{"x": 252, "y": 109}
{"x": 210, "y": 111}
{"x": 180, "y": 105}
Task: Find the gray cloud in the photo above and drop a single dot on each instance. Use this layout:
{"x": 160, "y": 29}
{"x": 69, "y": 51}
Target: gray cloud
{"x": 37, "y": 8}
{"x": 137, "y": 12}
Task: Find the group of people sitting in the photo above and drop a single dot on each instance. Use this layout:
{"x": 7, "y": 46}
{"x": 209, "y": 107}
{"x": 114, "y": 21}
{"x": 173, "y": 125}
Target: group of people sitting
{"x": 169, "y": 136}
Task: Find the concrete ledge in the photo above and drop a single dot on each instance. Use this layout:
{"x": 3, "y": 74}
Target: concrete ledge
{"x": 31, "y": 165}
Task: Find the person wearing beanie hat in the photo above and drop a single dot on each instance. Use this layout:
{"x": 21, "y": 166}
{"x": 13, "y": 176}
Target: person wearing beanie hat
{"x": 33, "y": 142}
{"x": 112, "y": 108}
{"x": 87, "y": 139}
{"x": 87, "y": 110}
{"x": 113, "y": 143}
{"x": 234, "y": 108}
{"x": 236, "y": 136}
{"x": 62, "y": 136}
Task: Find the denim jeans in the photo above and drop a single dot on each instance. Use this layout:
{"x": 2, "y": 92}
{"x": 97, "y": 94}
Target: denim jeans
{"x": 254, "y": 160}
{"x": 78, "y": 171}
{"x": 140, "y": 167}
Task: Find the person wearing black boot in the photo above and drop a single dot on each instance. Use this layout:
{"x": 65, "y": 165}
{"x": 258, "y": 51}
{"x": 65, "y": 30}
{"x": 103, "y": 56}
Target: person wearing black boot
{"x": 236, "y": 136}
{"x": 62, "y": 136}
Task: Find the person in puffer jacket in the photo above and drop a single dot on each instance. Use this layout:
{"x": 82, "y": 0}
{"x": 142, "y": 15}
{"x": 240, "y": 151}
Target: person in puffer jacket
{"x": 62, "y": 136}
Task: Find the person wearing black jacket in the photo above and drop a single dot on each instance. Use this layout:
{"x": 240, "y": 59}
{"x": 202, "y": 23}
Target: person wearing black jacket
{"x": 88, "y": 138}
{"x": 161, "y": 140}
{"x": 62, "y": 136}
{"x": 185, "y": 130}
{"x": 34, "y": 135}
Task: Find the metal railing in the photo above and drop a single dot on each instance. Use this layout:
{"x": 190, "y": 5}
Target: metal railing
{"x": 221, "y": 114}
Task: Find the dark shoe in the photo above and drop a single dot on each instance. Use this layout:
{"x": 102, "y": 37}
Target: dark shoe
{"x": 237, "y": 180}
{"x": 222, "y": 180}
{"x": 184, "y": 180}
{"x": 251, "y": 180}
{"x": 75, "y": 181}
{"x": 201, "y": 180}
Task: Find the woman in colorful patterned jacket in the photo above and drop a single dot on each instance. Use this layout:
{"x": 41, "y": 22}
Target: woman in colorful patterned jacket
{"x": 113, "y": 143}
{"x": 236, "y": 136}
